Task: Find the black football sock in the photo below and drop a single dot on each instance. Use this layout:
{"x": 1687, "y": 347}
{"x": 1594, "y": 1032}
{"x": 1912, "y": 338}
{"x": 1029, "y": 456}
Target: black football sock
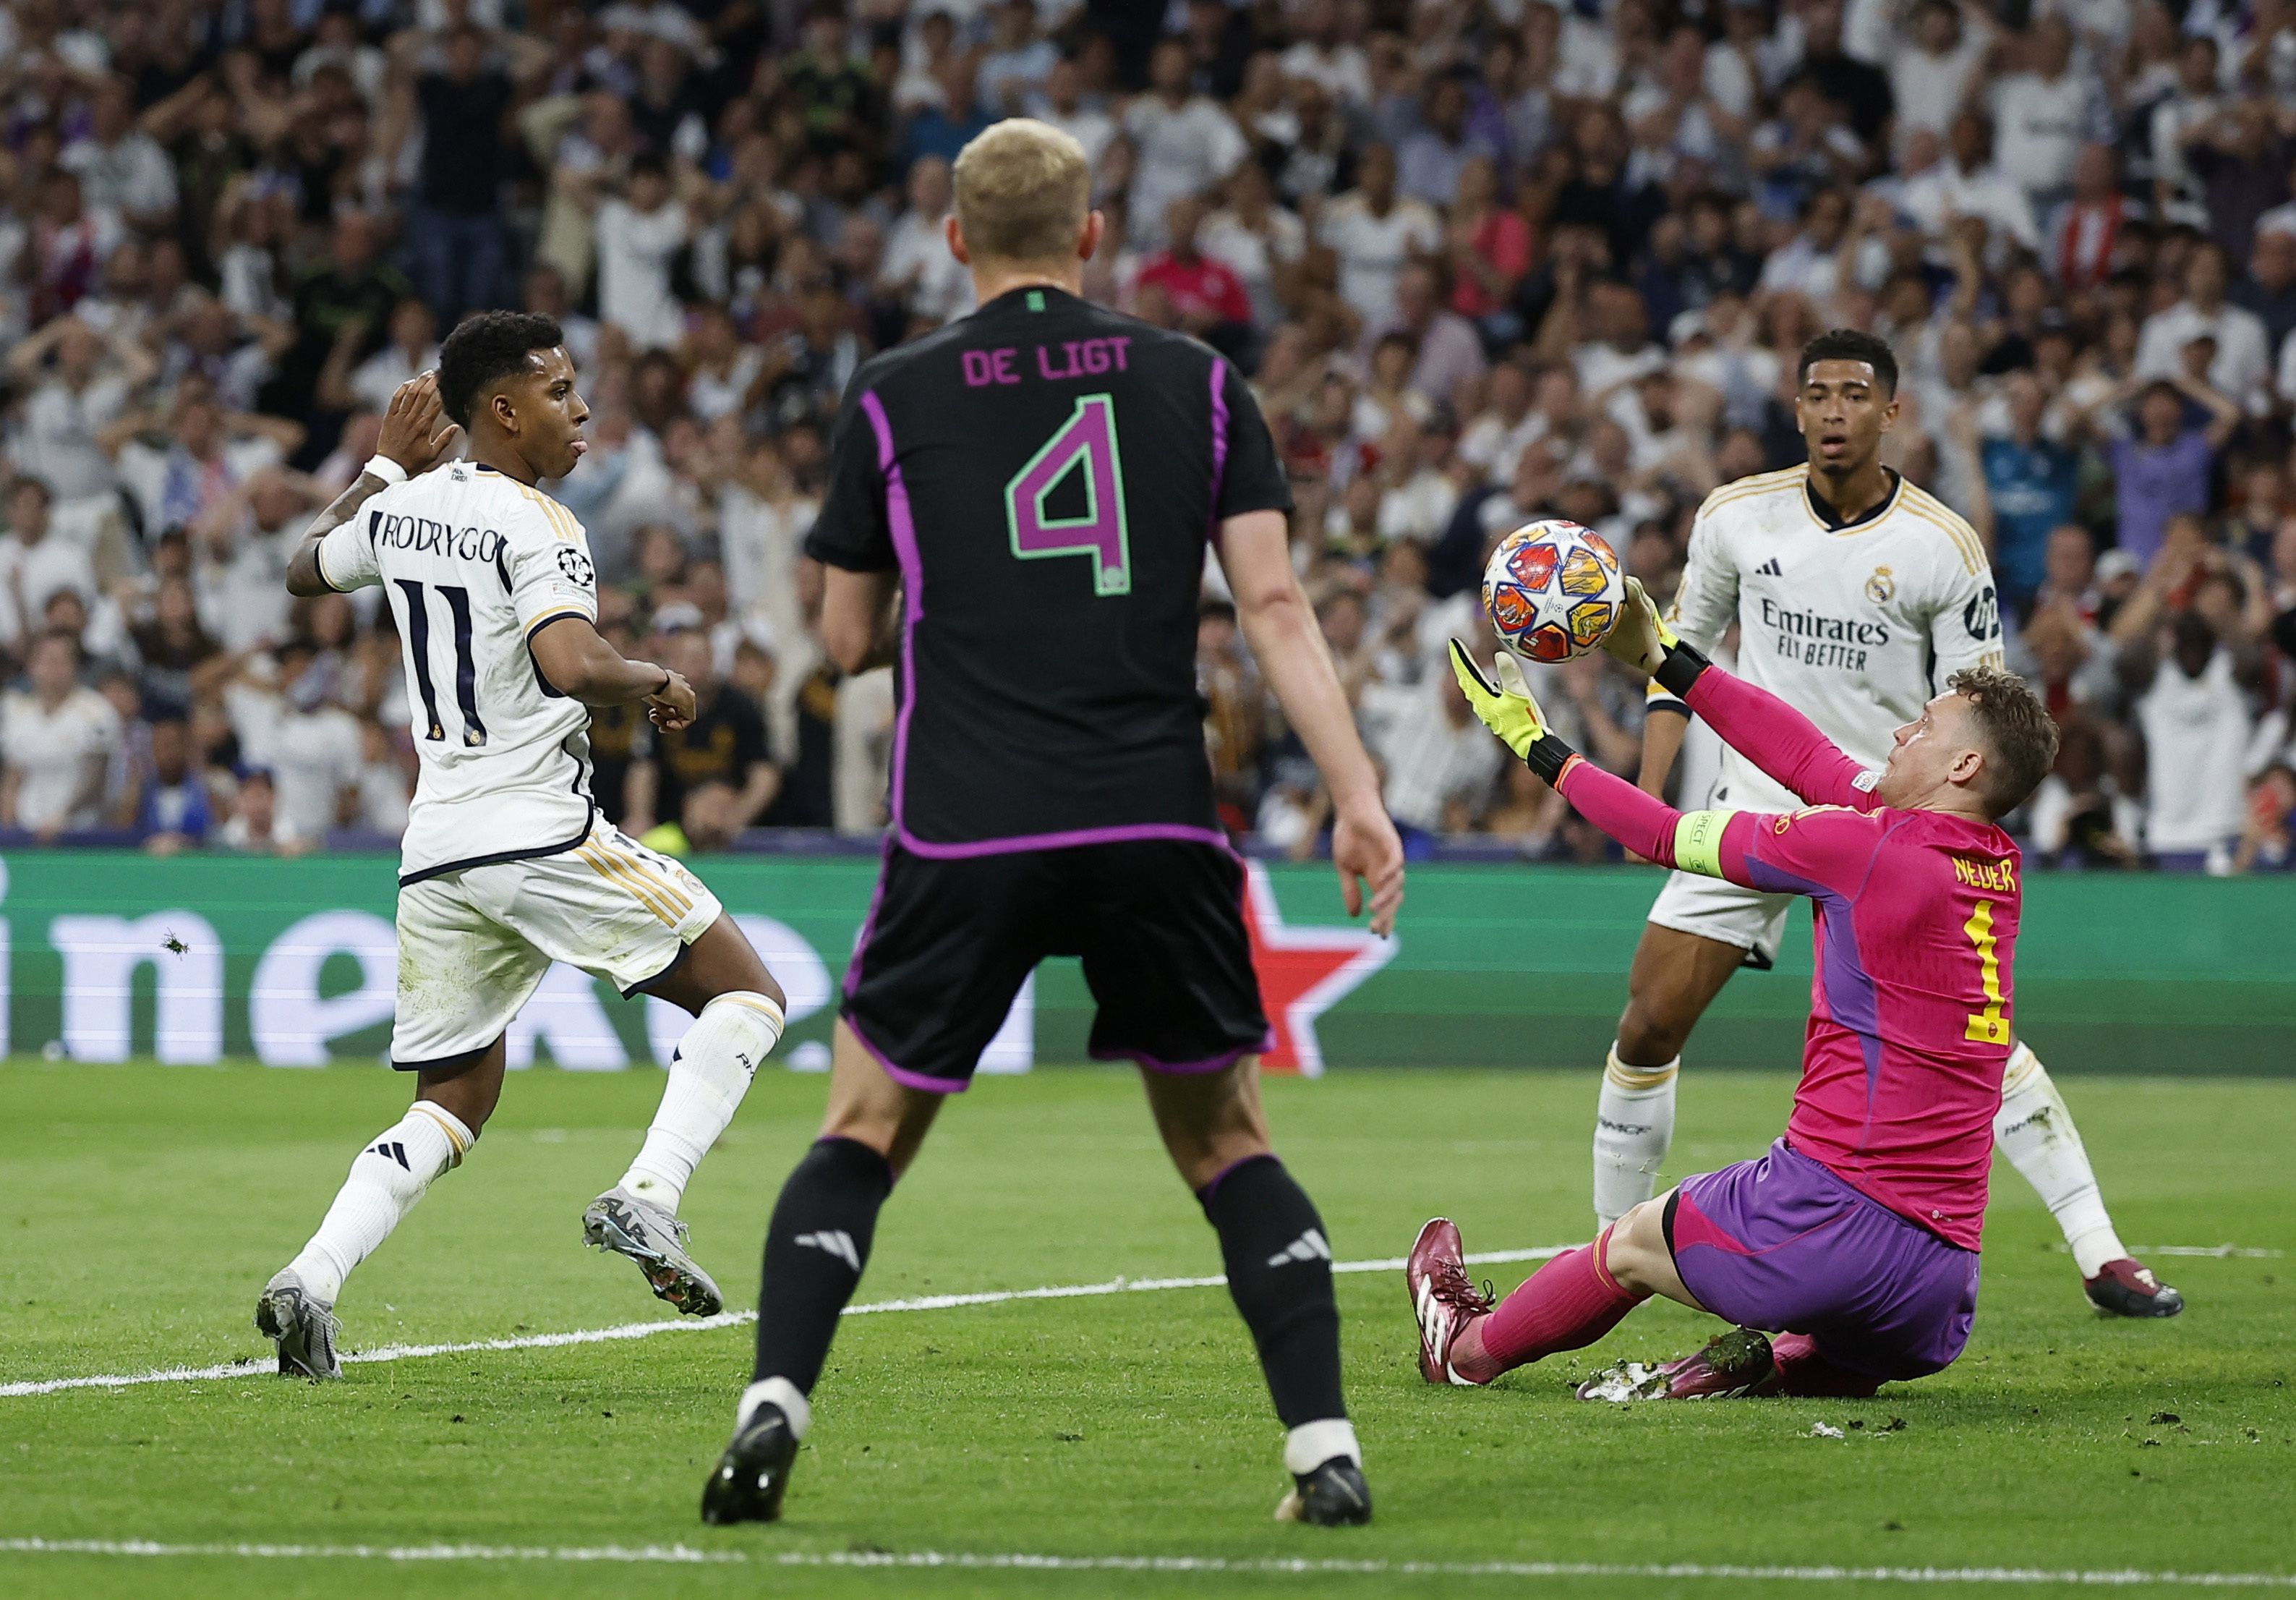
{"x": 815, "y": 1247}
{"x": 1279, "y": 1270}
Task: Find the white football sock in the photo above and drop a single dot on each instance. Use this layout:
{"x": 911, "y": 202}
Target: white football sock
{"x": 715, "y": 1062}
{"x": 1311, "y": 1444}
{"x": 1634, "y": 1128}
{"x": 387, "y": 1178}
{"x": 776, "y": 1391}
{"x": 2037, "y": 1133}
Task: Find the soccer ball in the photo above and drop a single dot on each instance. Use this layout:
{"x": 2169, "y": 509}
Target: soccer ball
{"x": 1552, "y": 589}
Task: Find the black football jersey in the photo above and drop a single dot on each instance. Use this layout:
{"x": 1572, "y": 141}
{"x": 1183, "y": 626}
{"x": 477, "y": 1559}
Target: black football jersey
{"x": 1043, "y": 475}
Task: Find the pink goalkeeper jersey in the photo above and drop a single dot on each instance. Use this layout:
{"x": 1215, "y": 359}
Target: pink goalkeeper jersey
{"x": 1917, "y": 912}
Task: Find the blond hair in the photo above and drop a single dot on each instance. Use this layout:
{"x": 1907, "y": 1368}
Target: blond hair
{"x": 2019, "y": 735}
{"x": 1023, "y": 188}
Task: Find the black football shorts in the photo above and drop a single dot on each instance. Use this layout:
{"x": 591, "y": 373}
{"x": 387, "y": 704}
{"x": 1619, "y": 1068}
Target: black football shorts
{"x": 1159, "y": 923}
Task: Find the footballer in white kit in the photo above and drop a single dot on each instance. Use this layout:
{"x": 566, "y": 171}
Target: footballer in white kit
{"x": 1855, "y": 624}
{"x": 506, "y": 864}
{"x": 1855, "y": 595}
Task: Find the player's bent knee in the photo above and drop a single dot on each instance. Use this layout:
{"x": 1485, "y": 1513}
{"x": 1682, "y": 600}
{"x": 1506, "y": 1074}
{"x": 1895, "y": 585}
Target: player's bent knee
{"x": 723, "y": 960}
{"x": 1635, "y": 1252}
{"x": 469, "y": 1087}
{"x": 1648, "y": 1036}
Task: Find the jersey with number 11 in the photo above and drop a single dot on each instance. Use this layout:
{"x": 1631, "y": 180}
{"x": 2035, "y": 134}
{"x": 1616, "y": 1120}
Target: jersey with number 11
{"x": 474, "y": 564}
{"x": 1042, "y": 476}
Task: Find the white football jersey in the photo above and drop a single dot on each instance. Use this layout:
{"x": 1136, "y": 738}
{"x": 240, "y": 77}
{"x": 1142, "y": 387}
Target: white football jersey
{"x": 474, "y": 564}
{"x": 1854, "y": 625}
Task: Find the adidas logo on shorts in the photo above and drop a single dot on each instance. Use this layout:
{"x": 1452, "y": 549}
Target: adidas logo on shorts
{"x": 837, "y": 1242}
{"x": 1309, "y": 1246}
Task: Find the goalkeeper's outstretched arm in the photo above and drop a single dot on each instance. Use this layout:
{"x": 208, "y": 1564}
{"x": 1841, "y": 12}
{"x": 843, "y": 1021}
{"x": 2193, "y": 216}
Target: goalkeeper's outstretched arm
{"x": 1779, "y": 740}
{"x": 1712, "y": 842}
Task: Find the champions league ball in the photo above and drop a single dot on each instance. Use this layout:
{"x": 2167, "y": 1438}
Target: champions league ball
{"x": 1552, "y": 589}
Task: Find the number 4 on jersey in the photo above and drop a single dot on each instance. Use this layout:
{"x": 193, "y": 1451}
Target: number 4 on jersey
{"x": 1087, "y": 439}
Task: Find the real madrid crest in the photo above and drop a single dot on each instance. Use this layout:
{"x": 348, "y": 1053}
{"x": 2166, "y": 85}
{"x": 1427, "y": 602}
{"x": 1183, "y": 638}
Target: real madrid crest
{"x": 1882, "y": 587}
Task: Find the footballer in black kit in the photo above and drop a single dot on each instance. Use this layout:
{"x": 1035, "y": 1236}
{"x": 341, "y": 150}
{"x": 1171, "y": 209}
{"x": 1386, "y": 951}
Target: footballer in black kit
{"x": 1018, "y": 516}
{"x": 1042, "y": 476}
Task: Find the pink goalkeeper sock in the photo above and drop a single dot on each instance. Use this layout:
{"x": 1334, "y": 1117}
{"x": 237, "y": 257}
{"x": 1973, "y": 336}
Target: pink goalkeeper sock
{"x": 1804, "y": 1371}
{"x": 1569, "y": 1303}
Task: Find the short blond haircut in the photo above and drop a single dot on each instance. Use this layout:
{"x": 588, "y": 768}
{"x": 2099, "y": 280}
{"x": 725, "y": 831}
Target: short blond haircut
{"x": 1023, "y": 189}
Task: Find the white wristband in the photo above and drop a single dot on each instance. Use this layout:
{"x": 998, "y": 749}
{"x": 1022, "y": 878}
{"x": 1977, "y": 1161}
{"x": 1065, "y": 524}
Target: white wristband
{"x": 384, "y": 467}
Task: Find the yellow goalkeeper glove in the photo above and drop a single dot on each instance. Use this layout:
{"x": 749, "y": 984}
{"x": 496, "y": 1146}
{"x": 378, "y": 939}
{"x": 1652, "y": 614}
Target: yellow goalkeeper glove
{"x": 1505, "y": 707}
{"x": 1640, "y": 637}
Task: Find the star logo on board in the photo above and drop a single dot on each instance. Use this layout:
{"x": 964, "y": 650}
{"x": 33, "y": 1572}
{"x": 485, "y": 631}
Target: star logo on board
{"x": 1303, "y": 972}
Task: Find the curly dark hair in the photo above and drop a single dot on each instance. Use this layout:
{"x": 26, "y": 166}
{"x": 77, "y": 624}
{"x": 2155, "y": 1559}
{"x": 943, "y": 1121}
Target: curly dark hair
{"x": 1849, "y": 344}
{"x": 2021, "y": 737}
{"x": 484, "y": 349}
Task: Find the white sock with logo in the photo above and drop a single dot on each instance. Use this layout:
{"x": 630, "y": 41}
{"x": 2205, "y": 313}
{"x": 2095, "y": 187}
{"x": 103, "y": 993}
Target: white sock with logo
{"x": 1634, "y": 1128}
{"x": 716, "y": 1060}
{"x": 2036, "y": 1132}
{"x": 387, "y": 1178}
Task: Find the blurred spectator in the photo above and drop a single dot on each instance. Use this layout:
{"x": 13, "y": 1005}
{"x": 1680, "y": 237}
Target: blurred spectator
{"x": 34, "y": 562}
{"x": 58, "y": 738}
{"x": 2266, "y": 844}
{"x": 701, "y": 784}
{"x": 1374, "y": 231}
{"x": 639, "y": 232}
{"x": 173, "y": 810}
{"x": 2161, "y": 467}
{"x": 255, "y": 826}
{"x": 312, "y": 748}
{"x": 2029, "y": 487}
{"x": 2239, "y": 362}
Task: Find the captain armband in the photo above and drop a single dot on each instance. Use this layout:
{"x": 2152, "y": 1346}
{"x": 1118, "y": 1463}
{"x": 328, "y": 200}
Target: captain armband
{"x": 1698, "y": 842}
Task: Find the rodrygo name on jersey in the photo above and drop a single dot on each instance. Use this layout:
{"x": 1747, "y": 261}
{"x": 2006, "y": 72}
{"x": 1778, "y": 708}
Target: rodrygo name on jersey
{"x": 1856, "y": 625}
{"x": 474, "y": 564}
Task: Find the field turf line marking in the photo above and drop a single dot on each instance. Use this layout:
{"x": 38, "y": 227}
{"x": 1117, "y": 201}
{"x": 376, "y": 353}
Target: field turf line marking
{"x": 1180, "y": 1566}
{"x": 2220, "y": 1252}
{"x": 253, "y": 1366}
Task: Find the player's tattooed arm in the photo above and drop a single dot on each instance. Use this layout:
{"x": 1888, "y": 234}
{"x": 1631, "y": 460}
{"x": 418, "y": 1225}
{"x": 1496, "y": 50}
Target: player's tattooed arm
{"x": 415, "y": 435}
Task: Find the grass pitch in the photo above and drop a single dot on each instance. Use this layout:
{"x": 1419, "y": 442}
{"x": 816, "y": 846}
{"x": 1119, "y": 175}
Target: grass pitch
{"x": 143, "y": 1207}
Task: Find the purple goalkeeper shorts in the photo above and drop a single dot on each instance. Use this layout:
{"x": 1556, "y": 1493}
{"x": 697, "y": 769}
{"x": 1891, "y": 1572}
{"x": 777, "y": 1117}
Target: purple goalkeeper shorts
{"x": 1783, "y": 1244}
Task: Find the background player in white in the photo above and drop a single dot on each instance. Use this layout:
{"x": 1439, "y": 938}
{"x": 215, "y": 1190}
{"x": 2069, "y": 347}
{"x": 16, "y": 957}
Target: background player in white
{"x": 506, "y": 864}
{"x": 1857, "y": 595}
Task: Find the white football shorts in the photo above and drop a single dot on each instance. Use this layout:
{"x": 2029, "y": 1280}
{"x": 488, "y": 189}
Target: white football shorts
{"x": 473, "y": 945}
{"x": 1712, "y": 908}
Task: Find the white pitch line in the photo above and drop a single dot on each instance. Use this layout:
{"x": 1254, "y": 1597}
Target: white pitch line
{"x": 2220, "y": 1252}
{"x": 252, "y": 1367}
{"x": 1178, "y": 1566}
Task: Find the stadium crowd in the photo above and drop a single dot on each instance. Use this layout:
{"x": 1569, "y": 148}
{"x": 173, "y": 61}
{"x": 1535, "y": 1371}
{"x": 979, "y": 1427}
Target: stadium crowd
{"x": 1483, "y": 261}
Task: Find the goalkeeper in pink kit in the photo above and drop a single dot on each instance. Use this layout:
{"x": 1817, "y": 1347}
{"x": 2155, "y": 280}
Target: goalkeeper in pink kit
{"x": 1855, "y": 1237}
